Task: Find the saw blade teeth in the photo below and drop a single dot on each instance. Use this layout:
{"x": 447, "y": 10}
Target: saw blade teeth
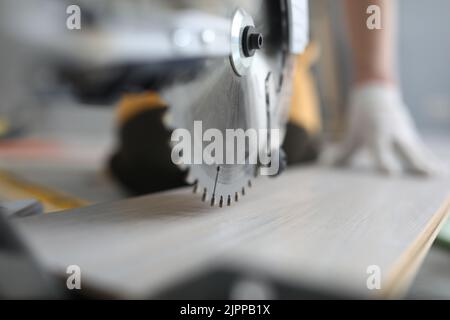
{"x": 195, "y": 189}
{"x": 215, "y": 198}
{"x": 213, "y": 201}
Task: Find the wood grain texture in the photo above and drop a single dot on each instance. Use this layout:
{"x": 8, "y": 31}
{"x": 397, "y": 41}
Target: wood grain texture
{"x": 313, "y": 226}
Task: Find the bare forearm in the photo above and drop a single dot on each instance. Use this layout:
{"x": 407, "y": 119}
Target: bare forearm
{"x": 374, "y": 51}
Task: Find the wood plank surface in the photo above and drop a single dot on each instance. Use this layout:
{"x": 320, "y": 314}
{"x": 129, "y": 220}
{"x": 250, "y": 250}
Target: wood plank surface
{"x": 313, "y": 225}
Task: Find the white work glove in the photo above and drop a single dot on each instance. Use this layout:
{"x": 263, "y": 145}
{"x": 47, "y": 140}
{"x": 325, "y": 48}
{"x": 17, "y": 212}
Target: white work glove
{"x": 380, "y": 121}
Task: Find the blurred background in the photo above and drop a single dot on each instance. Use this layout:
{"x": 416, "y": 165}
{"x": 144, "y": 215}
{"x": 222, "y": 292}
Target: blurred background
{"x": 64, "y": 146}
{"x": 423, "y": 59}
{"x": 425, "y": 76}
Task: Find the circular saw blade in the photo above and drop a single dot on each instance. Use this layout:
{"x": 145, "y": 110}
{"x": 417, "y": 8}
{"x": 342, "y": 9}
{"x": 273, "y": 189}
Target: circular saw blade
{"x": 221, "y": 99}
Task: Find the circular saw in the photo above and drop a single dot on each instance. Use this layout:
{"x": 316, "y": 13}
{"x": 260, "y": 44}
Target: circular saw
{"x": 248, "y": 89}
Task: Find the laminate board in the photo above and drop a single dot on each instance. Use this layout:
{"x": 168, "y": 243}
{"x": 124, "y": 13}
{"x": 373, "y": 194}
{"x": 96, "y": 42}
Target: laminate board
{"x": 313, "y": 225}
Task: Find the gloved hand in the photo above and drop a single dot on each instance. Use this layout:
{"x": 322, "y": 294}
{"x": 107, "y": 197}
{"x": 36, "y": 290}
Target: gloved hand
{"x": 380, "y": 121}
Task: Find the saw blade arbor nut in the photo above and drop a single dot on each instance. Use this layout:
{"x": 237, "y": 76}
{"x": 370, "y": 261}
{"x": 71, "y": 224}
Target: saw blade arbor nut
{"x": 251, "y": 41}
